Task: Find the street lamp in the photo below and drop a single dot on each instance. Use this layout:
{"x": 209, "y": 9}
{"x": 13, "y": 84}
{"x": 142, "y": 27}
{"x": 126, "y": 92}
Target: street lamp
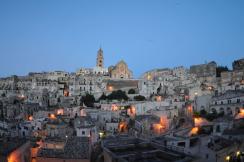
{"x": 227, "y": 158}
{"x": 238, "y": 153}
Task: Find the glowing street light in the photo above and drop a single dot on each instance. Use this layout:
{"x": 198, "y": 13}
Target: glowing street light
{"x": 227, "y": 158}
{"x": 238, "y": 153}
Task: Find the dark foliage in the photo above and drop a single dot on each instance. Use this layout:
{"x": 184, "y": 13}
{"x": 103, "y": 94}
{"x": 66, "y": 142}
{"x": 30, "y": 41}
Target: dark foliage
{"x": 88, "y": 100}
{"x": 118, "y": 95}
{"x": 139, "y": 98}
{"x": 103, "y": 97}
{"x": 131, "y": 91}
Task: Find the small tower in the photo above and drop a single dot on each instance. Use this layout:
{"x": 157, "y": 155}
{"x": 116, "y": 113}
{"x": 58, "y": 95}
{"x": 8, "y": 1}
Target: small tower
{"x": 100, "y": 58}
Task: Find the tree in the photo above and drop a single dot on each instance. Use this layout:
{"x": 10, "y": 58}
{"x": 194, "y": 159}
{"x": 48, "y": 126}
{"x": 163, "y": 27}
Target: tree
{"x": 203, "y": 112}
{"x": 103, "y": 97}
{"x": 118, "y": 95}
{"x": 220, "y": 69}
{"x": 139, "y": 98}
{"x": 88, "y": 100}
{"x": 159, "y": 89}
{"x": 131, "y": 91}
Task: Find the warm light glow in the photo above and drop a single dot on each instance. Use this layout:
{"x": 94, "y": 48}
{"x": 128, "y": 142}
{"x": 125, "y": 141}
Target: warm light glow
{"x": 149, "y": 77}
{"x": 52, "y": 116}
{"x": 122, "y": 126}
{"x": 110, "y": 88}
{"x": 241, "y": 114}
{"x": 196, "y": 93}
{"x": 238, "y": 153}
{"x": 60, "y": 112}
{"x": 186, "y": 97}
{"x": 194, "y": 131}
{"x": 101, "y": 134}
{"x": 198, "y": 121}
{"x": 227, "y": 158}
{"x": 242, "y": 82}
{"x": 210, "y": 88}
{"x": 189, "y": 110}
{"x": 66, "y": 93}
{"x": 161, "y": 126}
{"x": 158, "y": 98}
{"x": 22, "y": 96}
{"x": 114, "y": 107}
{"x": 242, "y": 111}
{"x": 30, "y": 118}
{"x": 14, "y": 156}
{"x": 131, "y": 111}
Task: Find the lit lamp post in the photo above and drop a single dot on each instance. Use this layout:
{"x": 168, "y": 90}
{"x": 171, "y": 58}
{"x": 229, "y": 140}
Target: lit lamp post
{"x": 227, "y": 158}
{"x": 66, "y": 138}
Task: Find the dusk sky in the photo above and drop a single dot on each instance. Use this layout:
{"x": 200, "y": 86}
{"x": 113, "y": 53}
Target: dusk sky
{"x": 48, "y": 35}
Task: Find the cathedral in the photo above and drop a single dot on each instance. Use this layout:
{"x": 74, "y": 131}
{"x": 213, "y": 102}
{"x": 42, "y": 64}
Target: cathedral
{"x": 119, "y": 71}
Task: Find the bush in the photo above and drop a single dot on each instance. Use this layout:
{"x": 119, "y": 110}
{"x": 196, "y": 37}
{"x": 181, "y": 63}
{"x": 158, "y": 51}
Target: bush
{"x": 131, "y": 91}
{"x": 203, "y": 112}
{"x": 139, "y": 98}
{"x": 103, "y": 97}
{"x": 118, "y": 95}
{"x": 88, "y": 100}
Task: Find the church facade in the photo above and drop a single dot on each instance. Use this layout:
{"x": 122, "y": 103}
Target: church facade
{"x": 120, "y": 71}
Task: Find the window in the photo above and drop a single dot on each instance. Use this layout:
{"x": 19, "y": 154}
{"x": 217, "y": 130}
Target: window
{"x": 206, "y": 156}
{"x": 229, "y": 101}
{"x": 83, "y": 132}
{"x": 218, "y": 128}
{"x": 238, "y": 100}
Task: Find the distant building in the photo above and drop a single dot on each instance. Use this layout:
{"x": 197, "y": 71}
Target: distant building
{"x": 238, "y": 64}
{"x": 204, "y": 70}
{"x": 120, "y": 71}
{"x": 228, "y": 103}
{"x": 100, "y": 61}
{"x": 98, "y": 70}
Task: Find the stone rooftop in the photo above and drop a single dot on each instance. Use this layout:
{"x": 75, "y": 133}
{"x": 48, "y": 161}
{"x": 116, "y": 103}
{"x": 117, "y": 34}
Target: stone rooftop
{"x": 130, "y": 149}
{"x": 75, "y": 148}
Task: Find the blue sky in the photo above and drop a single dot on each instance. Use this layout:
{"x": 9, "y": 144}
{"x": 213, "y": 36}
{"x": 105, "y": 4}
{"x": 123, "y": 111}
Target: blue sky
{"x": 47, "y": 35}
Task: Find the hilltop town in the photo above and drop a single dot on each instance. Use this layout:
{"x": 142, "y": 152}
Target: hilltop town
{"x": 103, "y": 114}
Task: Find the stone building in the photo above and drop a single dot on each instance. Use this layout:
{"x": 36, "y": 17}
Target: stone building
{"x": 120, "y": 71}
{"x": 238, "y": 64}
{"x": 98, "y": 70}
{"x": 228, "y": 103}
{"x": 100, "y": 58}
{"x": 73, "y": 149}
{"x": 203, "y": 70}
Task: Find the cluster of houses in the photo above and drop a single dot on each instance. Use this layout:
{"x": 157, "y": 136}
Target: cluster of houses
{"x": 177, "y": 114}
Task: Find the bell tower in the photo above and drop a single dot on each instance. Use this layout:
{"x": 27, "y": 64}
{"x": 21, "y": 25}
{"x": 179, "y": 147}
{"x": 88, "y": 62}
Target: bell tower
{"x": 100, "y": 58}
